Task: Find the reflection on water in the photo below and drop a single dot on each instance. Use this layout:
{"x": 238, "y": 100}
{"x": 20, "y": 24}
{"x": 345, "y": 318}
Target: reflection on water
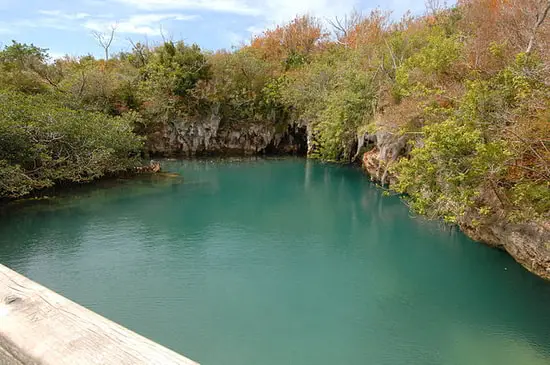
{"x": 280, "y": 262}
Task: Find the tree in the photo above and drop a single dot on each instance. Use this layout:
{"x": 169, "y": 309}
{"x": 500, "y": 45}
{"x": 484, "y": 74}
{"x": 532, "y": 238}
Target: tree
{"x": 175, "y": 68}
{"x": 140, "y": 53}
{"x": 105, "y": 39}
{"x": 342, "y": 26}
{"x": 443, "y": 174}
{"x": 23, "y": 67}
{"x": 43, "y": 142}
{"x": 292, "y": 43}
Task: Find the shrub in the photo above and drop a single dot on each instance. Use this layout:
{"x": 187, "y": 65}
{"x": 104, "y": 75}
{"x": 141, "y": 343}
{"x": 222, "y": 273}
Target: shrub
{"x": 42, "y": 142}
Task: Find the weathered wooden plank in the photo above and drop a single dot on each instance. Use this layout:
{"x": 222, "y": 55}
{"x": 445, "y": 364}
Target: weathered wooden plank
{"x": 39, "y": 326}
{"x": 6, "y": 358}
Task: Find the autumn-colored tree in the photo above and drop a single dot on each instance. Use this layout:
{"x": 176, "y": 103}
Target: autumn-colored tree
{"x": 357, "y": 30}
{"x": 499, "y": 29}
{"x": 292, "y": 43}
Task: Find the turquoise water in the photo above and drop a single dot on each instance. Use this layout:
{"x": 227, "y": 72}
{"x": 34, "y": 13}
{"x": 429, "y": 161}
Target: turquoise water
{"x": 266, "y": 262}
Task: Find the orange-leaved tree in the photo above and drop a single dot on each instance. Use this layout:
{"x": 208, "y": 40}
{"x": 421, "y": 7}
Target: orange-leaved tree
{"x": 292, "y": 43}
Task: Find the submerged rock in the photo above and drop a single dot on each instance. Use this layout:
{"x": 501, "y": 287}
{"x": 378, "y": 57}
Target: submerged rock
{"x": 153, "y": 167}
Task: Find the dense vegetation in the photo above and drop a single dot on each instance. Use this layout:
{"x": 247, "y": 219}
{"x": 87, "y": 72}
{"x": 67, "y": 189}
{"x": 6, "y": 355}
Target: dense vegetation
{"x": 468, "y": 85}
{"x": 46, "y": 136}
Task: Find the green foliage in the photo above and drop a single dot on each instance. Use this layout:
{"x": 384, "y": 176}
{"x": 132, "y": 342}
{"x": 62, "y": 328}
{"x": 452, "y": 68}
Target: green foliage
{"x": 533, "y": 197}
{"x": 444, "y": 174}
{"x": 42, "y": 142}
{"x": 295, "y": 60}
{"x": 15, "y": 183}
{"x": 438, "y": 55}
{"x": 21, "y": 56}
{"x": 493, "y": 104}
{"x": 23, "y": 68}
{"x": 497, "y": 50}
{"x": 169, "y": 80}
{"x": 89, "y": 85}
{"x": 336, "y": 97}
{"x": 245, "y": 88}
{"x": 434, "y": 59}
{"x": 175, "y": 69}
{"x": 347, "y": 107}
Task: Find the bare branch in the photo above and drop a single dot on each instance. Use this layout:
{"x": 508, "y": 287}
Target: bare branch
{"x": 541, "y": 16}
{"x": 140, "y": 50}
{"x": 339, "y": 29}
{"x": 435, "y": 6}
{"x": 343, "y": 26}
{"x": 105, "y": 39}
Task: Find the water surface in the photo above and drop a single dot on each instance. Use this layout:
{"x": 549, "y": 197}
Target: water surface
{"x": 270, "y": 262}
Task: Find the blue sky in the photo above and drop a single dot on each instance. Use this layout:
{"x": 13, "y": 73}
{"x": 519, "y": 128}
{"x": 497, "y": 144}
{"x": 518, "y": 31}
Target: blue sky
{"x": 66, "y": 26}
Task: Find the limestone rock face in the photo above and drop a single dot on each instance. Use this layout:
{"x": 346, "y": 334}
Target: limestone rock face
{"x": 208, "y": 135}
{"x": 528, "y": 243}
{"x": 388, "y": 148}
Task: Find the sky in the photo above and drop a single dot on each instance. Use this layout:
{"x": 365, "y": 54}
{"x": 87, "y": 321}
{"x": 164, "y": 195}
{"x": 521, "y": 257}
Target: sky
{"x": 67, "y": 26}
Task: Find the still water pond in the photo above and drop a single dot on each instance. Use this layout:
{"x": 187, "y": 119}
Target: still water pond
{"x": 272, "y": 262}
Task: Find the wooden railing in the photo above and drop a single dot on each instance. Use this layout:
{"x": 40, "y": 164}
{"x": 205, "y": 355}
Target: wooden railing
{"x": 39, "y": 326}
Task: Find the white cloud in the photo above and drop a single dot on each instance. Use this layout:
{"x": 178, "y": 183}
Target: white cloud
{"x": 278, "y": 11}
{"x": 143, "y": 23}
{"x": 146, "y": 24}
{"x": 235, "y": 39}
{"x": 121, "y": 27}
{"x": 226, "y": 6}
{"x": 270, "y": 10}
{"x": 53, "y": 19}
{"x": 255, "y": 30}
{"x": 52, "y": 23}
{"x": 62, "y": 15}
{"x": 267, "y": 12}
{"x": 146, "y": 17}
{"x": 56, "y": 55}
{"x": 154, "y": 18}
{"x": 416, "y": 6}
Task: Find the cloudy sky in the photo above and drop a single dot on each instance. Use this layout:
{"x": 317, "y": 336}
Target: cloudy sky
{"x": 66, "y": 26}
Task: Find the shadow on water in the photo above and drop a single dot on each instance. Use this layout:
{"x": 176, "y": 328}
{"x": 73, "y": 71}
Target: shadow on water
{"x": 289, "y": 258}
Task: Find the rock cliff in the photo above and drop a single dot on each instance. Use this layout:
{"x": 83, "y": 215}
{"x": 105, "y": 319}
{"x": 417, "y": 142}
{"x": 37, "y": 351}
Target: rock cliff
{"x": 210, "y": 135}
